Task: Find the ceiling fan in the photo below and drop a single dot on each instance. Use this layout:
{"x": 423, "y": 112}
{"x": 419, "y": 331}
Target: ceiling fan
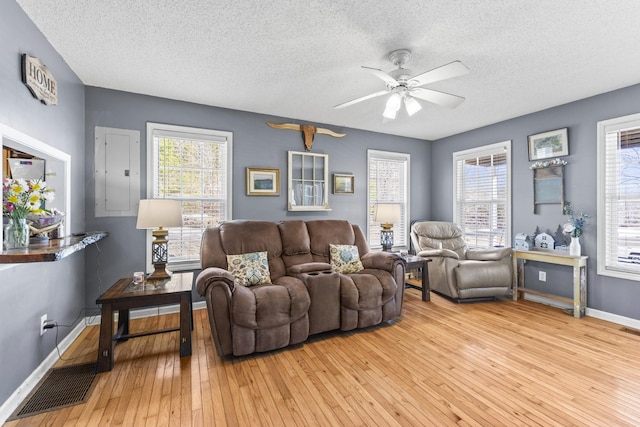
{"x": 404, "y": 88}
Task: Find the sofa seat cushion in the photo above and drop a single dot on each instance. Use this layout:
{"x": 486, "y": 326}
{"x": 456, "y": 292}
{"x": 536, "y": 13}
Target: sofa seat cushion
{"x": 367, "y": 289}
{"x": 270, "y": 305}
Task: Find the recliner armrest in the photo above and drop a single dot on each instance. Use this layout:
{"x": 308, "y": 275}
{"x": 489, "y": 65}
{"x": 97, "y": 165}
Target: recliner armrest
{"x": 492, "y": 254}
{"x": 214, "y": 274}
{"x": 308, "y": 267}
{"x": 381, "y": 260}
{"x": 446, "y": 253}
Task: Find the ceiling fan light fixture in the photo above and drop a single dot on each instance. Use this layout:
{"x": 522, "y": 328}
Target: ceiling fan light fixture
{"x": 412, "y": 105}
{"x": 389, "y": 113}
{"x": 394, "y": 101}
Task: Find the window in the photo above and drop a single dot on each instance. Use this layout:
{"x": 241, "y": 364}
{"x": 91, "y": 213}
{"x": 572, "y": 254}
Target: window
{"x": 388, "y": 183}
{"x": 482, "y": 194}
{"x": 194, "y": 166}
{"x": 619, "y": 197}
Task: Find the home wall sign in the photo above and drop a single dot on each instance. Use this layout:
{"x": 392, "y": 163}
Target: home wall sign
{"x": 41, "y": 83}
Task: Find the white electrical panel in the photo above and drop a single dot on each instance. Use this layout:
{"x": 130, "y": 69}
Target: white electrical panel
{"x": 117, "y": 169}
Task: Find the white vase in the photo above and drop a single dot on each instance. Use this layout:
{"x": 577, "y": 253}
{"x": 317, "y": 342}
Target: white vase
{"x": 574, "y": 247}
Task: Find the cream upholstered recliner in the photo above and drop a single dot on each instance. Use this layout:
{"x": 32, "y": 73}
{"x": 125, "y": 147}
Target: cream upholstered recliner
{"x": 458, "y": 272}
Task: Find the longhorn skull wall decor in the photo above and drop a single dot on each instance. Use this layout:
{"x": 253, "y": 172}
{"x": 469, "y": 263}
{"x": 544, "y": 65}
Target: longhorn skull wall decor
{"x": 308, "y": 132}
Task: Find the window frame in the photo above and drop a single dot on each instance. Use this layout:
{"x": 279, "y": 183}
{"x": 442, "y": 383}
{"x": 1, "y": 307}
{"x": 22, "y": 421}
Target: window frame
{"x": 485, "y": 150}
{"x": 631, "y": 121}
{"x": 186, "y": 131}
{"x": 395, "y": 156}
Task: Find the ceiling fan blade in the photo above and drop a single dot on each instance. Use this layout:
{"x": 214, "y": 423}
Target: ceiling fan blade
{"x": 383, "y": 76}
{"x": 437, "y": 97}
{"x": 453, "y": 69}
{"x": 363, "y": 98}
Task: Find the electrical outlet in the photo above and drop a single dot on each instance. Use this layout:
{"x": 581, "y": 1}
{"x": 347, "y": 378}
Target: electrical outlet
{"x": 43, "y": 321}
{"x": 542, "y": 276}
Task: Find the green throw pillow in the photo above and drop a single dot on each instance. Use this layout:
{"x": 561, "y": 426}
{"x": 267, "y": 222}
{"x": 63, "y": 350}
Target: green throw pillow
{"x": 345, "y": 258}
{"x": 249, "y": 269}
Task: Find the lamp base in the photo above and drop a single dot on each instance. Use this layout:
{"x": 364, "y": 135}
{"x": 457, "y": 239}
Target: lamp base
{"x": 386, "y": 239}
{"x": 160, "y": 272}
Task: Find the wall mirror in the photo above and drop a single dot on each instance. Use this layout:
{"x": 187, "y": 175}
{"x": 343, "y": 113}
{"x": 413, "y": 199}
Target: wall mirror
{"x": 57, "y": 166}
{"x": 308, "y": 181}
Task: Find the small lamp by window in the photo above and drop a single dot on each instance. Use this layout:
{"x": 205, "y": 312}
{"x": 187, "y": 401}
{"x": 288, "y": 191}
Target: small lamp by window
{"x": 159, "y": 213}
{"x": 387, "y": 214}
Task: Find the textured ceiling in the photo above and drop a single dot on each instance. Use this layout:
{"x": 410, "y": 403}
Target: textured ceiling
{"x": 298, "y": 59}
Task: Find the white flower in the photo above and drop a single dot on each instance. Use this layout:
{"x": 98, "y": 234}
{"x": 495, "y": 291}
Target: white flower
{"x": 568, "y": 228}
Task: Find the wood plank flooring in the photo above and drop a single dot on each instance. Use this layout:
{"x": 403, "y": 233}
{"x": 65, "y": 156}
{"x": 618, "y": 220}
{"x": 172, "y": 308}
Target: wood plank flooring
{"x": 484, "y": 364}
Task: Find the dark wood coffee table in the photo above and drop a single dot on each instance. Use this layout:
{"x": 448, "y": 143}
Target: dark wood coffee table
{"x": 422, "y": 264}
{"x": 125, "y": 295}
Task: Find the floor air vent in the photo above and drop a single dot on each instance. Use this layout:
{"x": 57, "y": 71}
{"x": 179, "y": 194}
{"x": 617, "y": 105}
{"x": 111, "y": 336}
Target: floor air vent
{"x": 61, "y": 387}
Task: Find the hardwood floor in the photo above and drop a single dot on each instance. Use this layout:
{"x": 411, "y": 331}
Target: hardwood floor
{"x": 483, "y": 364}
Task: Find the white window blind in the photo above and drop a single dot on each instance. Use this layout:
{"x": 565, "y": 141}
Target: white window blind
{"x": 619, "y": 197}
{"x": 194, "y": 166}
{"x": 482, "y": 199}
{"x": 388, "y": 183}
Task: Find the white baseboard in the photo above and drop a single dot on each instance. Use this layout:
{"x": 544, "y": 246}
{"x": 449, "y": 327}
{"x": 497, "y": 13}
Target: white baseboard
{"x": 613, "y": 318}
{"x": 598, "y": 314}
{"x": 547, "y": 301}
{"x": 10, "y": 405}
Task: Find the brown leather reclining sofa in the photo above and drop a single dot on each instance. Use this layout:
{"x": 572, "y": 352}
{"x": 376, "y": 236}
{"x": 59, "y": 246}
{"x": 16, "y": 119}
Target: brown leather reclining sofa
{"x": 306, "y": 295}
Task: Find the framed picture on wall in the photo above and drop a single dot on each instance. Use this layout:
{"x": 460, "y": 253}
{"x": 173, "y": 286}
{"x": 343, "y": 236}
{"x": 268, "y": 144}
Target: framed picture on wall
{"x": 343, "y": 183}
{"x": 263, "y": 182}
{"x": 545, "y": 145}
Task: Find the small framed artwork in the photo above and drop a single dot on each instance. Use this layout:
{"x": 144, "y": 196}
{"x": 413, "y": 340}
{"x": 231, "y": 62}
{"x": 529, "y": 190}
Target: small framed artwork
{"x": 343, "y": 183}
{"x": 263, "y": 182}
{"x": 553, "y": 143}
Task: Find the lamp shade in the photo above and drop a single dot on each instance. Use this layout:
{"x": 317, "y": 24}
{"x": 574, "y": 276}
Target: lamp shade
{"x": 153, "y": 213}
{"x": 388, "y": 213}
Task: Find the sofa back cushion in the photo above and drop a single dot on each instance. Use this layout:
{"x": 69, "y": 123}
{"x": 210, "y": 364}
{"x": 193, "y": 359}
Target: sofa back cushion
{"x": 438, "y": 235}
{"x": 323, "y": 233}
{"x": 296, "y": 245}
{"x": 241, "y": 237}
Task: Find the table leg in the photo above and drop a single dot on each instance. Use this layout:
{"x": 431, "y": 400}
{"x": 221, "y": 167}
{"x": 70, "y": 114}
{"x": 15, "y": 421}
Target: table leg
{"x": 185, "y": 325}
{"x": 123, "y": 324}
{"x": 426, "y": 287}
{"x": 105, "y": 344}
{"x": 515, "y": 278}
{"x": 579, "y": 291}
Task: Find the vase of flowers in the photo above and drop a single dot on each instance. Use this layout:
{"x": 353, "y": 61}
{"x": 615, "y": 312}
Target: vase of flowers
{"x": 17, "y": 233}
{"x": 574, "y": 229}
{"x": 20, "y": 198}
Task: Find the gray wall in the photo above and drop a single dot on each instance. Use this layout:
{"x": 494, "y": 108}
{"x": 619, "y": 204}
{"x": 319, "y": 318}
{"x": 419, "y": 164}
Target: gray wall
{"x": 254, "y": 145}
{"x": 603, "y": 293}
{"x": 57, "y": 288}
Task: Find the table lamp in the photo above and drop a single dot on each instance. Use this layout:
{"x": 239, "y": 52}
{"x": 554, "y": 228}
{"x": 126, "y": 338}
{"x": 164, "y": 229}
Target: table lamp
{"x": 159, "y": 213}
{"x": 387, "y": 214}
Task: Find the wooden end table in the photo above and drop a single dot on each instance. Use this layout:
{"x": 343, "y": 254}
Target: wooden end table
{"x": 125, "y": 295}
{"x": 422, "y": 264}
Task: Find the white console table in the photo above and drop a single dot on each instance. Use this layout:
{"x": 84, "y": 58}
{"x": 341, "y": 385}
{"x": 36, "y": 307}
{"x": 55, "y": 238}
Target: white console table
{"x": 579, "y": 264}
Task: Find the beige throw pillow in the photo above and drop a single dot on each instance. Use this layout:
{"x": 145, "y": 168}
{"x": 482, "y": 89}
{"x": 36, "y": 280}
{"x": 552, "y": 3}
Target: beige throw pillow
{"x": 249, "y": 269}
{"x": 345, "y": 258}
